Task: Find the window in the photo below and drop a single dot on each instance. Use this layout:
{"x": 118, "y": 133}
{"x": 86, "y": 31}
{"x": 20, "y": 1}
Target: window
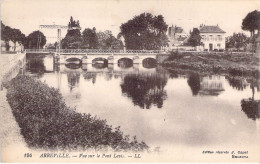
{"x": 219, "y": 37}
{"x": 219, "y": 45}
{"x": 211, "y": 37}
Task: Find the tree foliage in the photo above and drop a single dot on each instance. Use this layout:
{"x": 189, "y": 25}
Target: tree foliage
{"x": 35, "y": 40}
{"x": 251, "y": 22}
{"x": 73, "y": 38}
{"x": 237, "y": 40}
{"x": 145, "y": 31}
{"x": 11, "y": 34}
{"x": 195, "y": 38}
{"x": 89, "y": 38}
{"x": 107, "y": 41}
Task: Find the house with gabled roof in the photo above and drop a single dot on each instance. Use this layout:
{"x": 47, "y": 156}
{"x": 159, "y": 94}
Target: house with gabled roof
{"x": 212, "y": 38}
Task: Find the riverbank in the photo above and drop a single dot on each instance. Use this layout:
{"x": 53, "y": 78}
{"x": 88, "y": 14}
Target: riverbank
{"x": 10, "y": 64}
{"x": 46, "y": 122}
{"x": 11, "y": 138}
{"x": 233, "y": 64}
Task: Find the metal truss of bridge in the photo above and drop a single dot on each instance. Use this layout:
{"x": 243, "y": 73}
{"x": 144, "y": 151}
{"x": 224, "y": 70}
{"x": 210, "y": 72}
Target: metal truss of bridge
{"x": 87, "y": 56}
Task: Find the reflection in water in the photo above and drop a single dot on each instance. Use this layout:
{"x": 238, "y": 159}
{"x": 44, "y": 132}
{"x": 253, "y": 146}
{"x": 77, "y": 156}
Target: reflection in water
{"x": 35, "y": 65}
{"x": 194, "y": 83}
{"x": 73, "y": 65}
{"x": 145, "y": 90}
{"x": 207, "y": 85}
{"x": 194, "y": 118}
{"x": 125, "y": 63}
{"x": 251, "y": 108}
{"x": 39, "y": 64}
{"x": 90, "y": 76}
{"x": 108, "y": 76}
{"x": 211, "y": 85}
{"x": 173, "y": 74}
{"x": 100, "y": 65}
{"x": 73, "y": 60}
{"x": 73, "y": 79}
{"x": 149, "y": 63}
{"x": 237, "y": 83}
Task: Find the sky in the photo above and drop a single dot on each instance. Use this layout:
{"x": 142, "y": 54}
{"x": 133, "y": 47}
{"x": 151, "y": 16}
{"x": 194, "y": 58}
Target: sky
{"x": 27, "y": 15}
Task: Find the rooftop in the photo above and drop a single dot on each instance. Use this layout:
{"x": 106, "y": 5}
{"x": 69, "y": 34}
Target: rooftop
{"x": 211, "y": 29}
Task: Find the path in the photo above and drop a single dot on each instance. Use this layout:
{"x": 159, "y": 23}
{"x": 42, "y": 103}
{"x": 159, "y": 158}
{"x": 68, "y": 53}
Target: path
{"x": 11, "y": 139}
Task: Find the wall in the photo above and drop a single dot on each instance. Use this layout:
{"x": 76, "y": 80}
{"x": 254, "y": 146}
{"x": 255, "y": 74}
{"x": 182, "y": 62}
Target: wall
{"x": 215, "y": 40}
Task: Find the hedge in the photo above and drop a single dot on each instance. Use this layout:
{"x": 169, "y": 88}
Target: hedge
{"x": 47, "y": 122}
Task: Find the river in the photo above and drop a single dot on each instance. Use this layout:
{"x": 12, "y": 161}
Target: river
{"x": 165, "y": 109}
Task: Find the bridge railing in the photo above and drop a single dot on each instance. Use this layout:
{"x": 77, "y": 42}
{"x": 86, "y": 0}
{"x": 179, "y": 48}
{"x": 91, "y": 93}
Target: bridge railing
{"x": 40, "y": 50}
{"x": 97, "y": 51}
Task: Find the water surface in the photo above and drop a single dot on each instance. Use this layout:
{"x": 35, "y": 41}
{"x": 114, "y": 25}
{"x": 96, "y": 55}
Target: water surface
{"x": 165, "y": 109}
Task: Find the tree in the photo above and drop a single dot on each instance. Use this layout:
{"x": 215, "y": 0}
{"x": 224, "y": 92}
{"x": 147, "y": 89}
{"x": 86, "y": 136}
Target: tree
{"x": 237, "y": 40}
{"x": 73, "y": 37}
{"x": 89, "y": 38}
{"x": 195, "y": 38}
{"x": 5, "y": 35}
{"x": 17, "y": 36}
{"x": 11, "y": 34}
{"x": 35, "y": 40}
{"x": 145, "y": 31}
{"x": 108, "y": 41}
{"x": 251, "y": 22}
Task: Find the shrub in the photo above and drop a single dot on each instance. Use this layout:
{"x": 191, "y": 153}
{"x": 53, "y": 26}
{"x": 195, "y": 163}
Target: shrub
{"x": 175, "y": 56}
{"x": 251, "y": 108}
{"x": 47, "y": 122}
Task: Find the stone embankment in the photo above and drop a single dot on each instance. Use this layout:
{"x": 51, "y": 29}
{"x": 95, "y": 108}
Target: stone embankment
{"x": 10, "y": 65}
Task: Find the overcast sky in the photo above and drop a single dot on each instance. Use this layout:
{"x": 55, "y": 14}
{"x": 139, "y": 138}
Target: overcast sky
{"x": 27, "y": 15}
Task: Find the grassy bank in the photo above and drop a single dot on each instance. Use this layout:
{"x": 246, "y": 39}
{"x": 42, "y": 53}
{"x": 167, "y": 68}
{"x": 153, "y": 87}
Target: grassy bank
{"x": 236, "y": 64}
{"x": 47, "y": 122}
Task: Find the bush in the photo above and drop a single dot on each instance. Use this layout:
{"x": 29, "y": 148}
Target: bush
{"x": 175, "y": 56}
{"x": 47, "y": 122}
{"x": 251, "y": 108}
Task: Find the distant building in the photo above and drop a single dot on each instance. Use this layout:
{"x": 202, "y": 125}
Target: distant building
{"x": 12, "y": 47}
{"x": 213, "y": 38}
{"x": 177, "y": 36}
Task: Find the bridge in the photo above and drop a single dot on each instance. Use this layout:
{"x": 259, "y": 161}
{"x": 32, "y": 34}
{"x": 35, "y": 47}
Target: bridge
{"x": 88, "y": 56}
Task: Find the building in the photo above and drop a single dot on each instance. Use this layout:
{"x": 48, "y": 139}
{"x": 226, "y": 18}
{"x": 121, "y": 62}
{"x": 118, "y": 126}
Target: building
{"x": 177, "y": 36}
{"x": 12, "y": 47}
{"x": 213, "y": 38}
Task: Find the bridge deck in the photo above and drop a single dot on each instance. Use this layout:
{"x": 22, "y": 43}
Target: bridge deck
{"x": 94, "y": 51}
